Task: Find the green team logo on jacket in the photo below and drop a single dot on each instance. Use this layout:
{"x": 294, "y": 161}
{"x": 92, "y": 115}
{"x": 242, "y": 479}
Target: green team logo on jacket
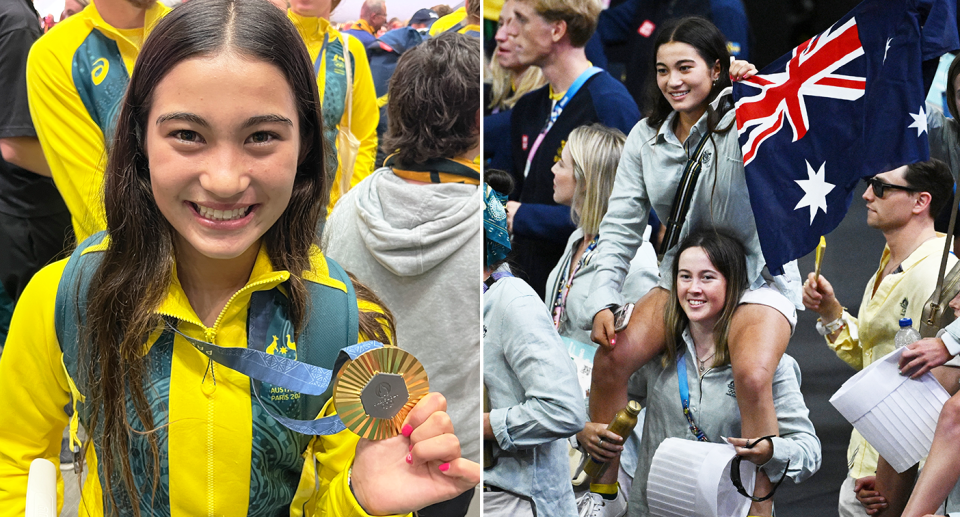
{"x": 334, "y": 96}
{"x": 101, "y": 78}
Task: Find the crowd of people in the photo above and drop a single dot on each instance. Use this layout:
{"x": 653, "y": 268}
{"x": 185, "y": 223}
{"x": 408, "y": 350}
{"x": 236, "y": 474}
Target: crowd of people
{"x": 600, "y": 213}
{"x": 209, "y": 171}
{"x": 197, "y": 200}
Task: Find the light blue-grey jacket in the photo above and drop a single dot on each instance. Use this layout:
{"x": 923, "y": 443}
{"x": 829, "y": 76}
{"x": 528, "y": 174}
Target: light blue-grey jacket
{"x": 713, "y": 401}
{"x": 534, "y": 396}
{"x": 575, "y": 323}
{"x": 650, "y": 170}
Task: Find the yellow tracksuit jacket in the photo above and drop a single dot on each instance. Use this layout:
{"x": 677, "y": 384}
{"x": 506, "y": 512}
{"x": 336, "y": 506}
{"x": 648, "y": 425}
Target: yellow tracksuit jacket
{"x": 221, "y": 454}
{"x": 76, "y": 77}
{"x": 331, "y": 80}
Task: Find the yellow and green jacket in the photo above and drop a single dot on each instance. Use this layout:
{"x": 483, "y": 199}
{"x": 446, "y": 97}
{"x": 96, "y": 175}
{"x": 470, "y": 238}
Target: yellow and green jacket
{"x": 331, "y": 81}
{"x": 221, "y": 454}
{"x": 451, "y": 20}
{"x": 76, "y": 76}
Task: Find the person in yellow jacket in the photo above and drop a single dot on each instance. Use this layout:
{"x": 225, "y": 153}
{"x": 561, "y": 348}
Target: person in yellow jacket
{"x": 76, "y": 77}
{"x": 325, "y": 45}
{"x": 212, "y": 193}
{"x": 465, "y": 20}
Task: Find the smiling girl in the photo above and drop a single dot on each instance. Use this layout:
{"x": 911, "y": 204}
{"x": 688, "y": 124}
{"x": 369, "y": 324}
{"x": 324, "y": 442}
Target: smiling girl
{"x": 691, "y": 104}
{"x": 709, "y": 277}
{"x": 214, "y": 186}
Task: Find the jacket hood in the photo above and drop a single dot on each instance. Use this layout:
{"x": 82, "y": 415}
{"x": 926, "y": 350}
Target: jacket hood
{"x": 409, "y": 228}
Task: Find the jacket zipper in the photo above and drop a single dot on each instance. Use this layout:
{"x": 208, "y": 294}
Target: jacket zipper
{"x": 210, "y": 334}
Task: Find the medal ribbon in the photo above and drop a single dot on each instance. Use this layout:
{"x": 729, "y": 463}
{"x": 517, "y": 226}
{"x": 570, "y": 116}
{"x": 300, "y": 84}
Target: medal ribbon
{"x": 685, "y": 398}
{"x": 560, "y": 303}
{"x": 286, "y": 373}
{"x": 556, "y": 111}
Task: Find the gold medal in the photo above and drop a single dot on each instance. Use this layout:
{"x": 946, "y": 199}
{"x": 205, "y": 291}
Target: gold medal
{"x": 374, "y": 392}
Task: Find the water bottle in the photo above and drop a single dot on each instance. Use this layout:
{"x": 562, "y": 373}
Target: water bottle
{"x": 622, "y": 425}
{"x": 907, "y": 334}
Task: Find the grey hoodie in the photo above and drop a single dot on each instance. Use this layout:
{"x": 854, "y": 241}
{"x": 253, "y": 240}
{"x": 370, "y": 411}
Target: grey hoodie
{"x": 419, "y": 247}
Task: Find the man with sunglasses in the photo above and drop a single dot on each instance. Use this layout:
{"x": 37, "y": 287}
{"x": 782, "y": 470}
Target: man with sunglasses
{"x": 902, "y": 204}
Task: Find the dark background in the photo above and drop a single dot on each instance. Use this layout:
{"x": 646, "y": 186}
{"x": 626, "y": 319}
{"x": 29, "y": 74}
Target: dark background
{"x": 780, "y": 25}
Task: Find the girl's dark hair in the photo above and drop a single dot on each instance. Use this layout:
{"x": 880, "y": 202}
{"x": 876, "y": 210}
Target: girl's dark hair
{"x": 137, "y": 267}
{"x": 711, "y": 45}
{"x": 728, "y": 255}
{"x": 952, "y": 74}
{"x": 499, "y": 180}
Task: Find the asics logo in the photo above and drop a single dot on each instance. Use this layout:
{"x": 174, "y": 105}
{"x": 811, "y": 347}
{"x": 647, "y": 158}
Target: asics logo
{"x": 99, "y": 72}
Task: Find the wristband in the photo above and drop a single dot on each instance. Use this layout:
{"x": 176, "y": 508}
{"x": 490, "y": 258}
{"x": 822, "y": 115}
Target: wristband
{"x": 825, "y": 329}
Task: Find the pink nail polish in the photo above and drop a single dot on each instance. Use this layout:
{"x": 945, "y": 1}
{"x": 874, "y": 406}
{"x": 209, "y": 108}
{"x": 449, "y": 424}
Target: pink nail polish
{"x": 410, "y": 458}
{"x": 407, "y": 430}
{"x": 445, "y": 467}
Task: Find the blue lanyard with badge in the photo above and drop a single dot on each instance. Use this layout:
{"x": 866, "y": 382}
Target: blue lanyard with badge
{"x": 556, "y": 111}
{"x": 685, "y": 398}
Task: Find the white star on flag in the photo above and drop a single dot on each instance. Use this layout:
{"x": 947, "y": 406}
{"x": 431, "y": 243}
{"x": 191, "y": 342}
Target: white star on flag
{"x": 886, "y": 49}
{"x": 919, "y": 122}
{"x": 815, "y": 190}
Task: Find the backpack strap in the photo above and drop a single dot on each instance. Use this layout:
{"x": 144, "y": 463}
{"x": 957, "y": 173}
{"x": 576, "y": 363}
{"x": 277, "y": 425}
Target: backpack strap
{"x": 682, "y": 199}
{"x": 332, "y": 328}
{"x": 72, "y": 293}
{"x": 71, "y": 303}
{"x": 333, "y": 325}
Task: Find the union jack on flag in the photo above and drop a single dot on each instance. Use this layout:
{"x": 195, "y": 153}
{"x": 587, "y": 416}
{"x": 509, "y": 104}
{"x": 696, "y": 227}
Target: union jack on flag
{"x": 853, "y": 99}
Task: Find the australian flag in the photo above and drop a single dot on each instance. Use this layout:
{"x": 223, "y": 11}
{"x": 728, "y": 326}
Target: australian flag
{"x": 847, "y": 104}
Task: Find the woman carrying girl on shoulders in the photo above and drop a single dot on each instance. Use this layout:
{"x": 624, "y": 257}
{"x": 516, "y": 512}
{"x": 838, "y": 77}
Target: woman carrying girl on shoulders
{"x": 691, "y": 121}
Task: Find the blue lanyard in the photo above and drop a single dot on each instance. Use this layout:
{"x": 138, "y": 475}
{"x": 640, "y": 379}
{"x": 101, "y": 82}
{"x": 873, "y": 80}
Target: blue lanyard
{"x": 286, "y": 373}
{"x": 685, "y": 398}
{"x": 556, "y": 111}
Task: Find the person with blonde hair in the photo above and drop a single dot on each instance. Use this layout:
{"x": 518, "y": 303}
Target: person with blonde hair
{"x": 508, "y": 84}
{"x": 583, "y": 180}
{"x": 213, "y": 189}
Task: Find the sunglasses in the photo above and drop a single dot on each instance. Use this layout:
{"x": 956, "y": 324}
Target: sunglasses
{"x": 879, "y": 187}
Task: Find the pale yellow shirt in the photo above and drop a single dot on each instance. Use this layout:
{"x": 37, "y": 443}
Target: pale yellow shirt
{"x": 870, "y": 337}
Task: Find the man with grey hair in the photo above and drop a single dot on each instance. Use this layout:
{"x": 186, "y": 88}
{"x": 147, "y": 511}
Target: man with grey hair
{"x": 373, "y": 14}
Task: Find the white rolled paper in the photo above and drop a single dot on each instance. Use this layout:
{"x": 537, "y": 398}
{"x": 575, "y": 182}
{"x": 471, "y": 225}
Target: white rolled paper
{"x": 42, "y": 489}
{"x": 689, "y": 478}
{"x": 897, "y": 415}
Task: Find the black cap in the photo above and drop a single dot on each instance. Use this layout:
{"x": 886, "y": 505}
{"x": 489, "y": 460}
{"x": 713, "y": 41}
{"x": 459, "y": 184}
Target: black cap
{"x": 427, "y": 16}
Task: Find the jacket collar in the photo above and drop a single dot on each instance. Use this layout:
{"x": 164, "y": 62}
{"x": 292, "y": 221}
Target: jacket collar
{"x": 364, "y": 25}
{"x": 263, "y": 277}
{"x": 153, "y": 15}
{"x": 310, "y": 28}
{"x": 665, "y": 133}
{"x": 930, "y": 247}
